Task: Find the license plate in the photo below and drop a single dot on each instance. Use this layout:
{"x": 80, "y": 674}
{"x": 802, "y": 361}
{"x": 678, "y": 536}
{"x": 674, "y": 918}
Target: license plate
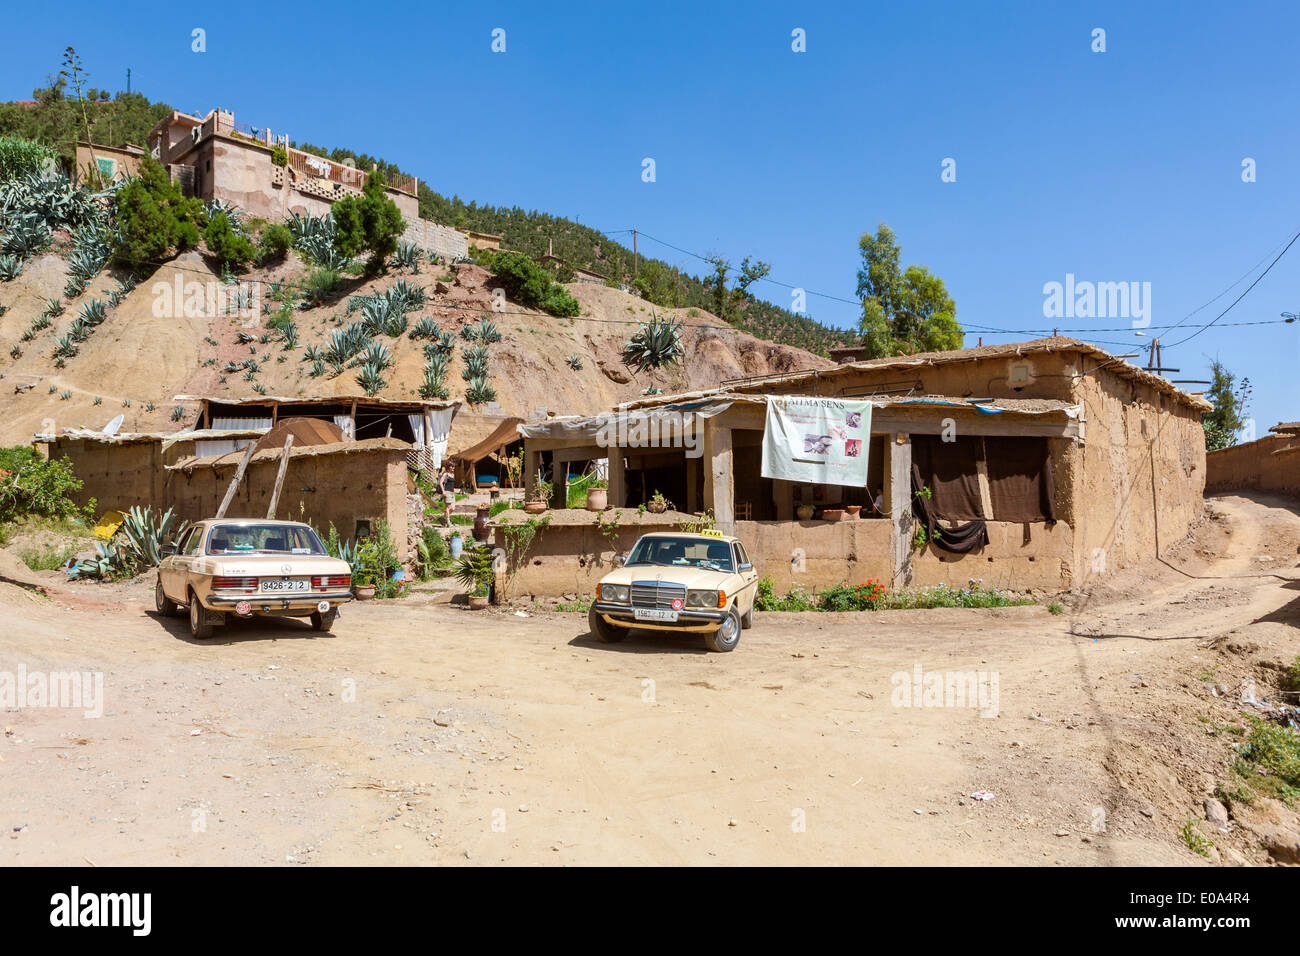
{"x": 284, "y": 585}
{"x": 653, "y": 614}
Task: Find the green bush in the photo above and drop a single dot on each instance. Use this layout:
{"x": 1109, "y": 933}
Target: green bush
{"x": 155, "y": 219}
{"x": 22, "y": 157}
{"x": 279, "y": 156}
{"x": 526, "y": 281}
{"x": 30, "y": 485}
{"x": 232, "y": 248}
{"x": 275, "y": 243}
{"x": 851, "y": 597}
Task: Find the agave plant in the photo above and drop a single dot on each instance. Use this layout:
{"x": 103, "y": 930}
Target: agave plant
{"x": 426, "y": 328}
{"x": 178, "y": 413}
{"x": 65, "y": 347}
{"x": 312, "y": 354}
{"x": 437, "y": 364}
{"x": 407, "y": 256}
{"x": 93, "y": 312}
{"x": 443, "y": 343}
{"x": 25, "y": 237}
{"x": 404, "y": 297}
{"x": 53, "y": 308}
{"x": 142, "y": 537}
{"x": 485, "y": 332}
{"x": 656, "y": 344}
{"x": 476, "y": 363}
{"x": 317, "y": 368}
{"x": 215, "y": 207}
{"x": 479, "y": 391}
{"x": 575, "y": 362}
{"x": 378, "y": 355}
{"x": 10, "y": 268}
{"x": 289, "y": 335}
{"x": 99, "y": 567}
{"x": 371, "y": 378}
{"x": 79, "y": 330}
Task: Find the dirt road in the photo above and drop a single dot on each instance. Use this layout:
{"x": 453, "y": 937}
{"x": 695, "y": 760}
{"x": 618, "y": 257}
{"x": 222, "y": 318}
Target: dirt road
{"x": 419, "y": 733}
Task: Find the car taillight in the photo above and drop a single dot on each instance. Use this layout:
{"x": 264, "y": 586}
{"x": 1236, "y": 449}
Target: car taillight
{"x": 331, "y": 580}
{"x": 234, "y": 584}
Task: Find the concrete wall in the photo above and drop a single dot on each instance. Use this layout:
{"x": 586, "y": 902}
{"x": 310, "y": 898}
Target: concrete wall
{"x": 818, "y": 554}
{"x": 431, "y": 237}
{"x": 1256, "y": 465}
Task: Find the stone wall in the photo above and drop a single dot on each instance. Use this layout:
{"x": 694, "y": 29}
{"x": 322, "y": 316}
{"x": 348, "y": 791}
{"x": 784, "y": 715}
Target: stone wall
{"x": 428, "y": 236}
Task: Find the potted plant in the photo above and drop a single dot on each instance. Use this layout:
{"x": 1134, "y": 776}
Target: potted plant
{"x": 832, "y": 514}
{"x": 475, "y": 571}
{"x": 541, "y": 500}
{"x": 598, "y": 495}
{"x": 852, "y": 510}
{"x": 363, "y": 585}
{"x": 658, "y": 504}
{"x": 805, "y": 512}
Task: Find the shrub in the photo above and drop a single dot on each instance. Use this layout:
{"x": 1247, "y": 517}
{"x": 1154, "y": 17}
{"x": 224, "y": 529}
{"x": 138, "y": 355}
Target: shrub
{"x": 22, "y": 157}
{"x": 852, "y": 597}
{"x": 525, "y": 280}
{"x": 275, "y": 243}
{"x": 369, "y": 222}
{"x": 31, "y": 485}
{"x": 279, "y": 156}
{"x": 231, "y": 247}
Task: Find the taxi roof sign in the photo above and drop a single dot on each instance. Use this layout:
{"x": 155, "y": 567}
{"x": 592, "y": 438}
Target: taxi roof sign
{"x": 711, "y": 533}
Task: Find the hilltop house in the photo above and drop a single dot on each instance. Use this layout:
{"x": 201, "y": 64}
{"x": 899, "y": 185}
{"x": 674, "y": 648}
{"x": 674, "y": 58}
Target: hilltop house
{"x": 1063, "y": 462}
{"x": 217, "y": 158}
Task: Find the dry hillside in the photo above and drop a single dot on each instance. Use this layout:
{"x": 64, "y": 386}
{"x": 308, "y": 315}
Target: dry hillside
{"x": 145, "y": 354}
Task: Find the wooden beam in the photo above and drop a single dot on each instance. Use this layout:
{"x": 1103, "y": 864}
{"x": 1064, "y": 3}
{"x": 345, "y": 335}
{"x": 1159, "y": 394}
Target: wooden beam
{"x": 234, "y": 482}
{"x": 899, "y": 505}
{"x": 279, "y": 476}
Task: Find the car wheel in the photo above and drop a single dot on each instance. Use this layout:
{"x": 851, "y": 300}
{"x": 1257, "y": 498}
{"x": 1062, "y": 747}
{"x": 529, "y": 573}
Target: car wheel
{"x": 727, "y": 636}
{"x": 603, "y": 631}
{"x": 165, "y": 605}
{"x": 747, "y": 619}
{"x": 323, "y": 622}
{"x": 200, "y": 628}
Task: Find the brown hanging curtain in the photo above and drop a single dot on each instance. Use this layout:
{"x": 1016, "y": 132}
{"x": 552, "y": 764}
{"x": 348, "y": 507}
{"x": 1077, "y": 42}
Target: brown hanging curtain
{"x": 949, "y": 470}
{"x": 1021, "y": 483}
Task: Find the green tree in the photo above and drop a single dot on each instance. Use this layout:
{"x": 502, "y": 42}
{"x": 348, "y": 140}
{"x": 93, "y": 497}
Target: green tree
{"x": 156, "y": 220}
{"x": 903, "y": 310}
{"x": 369, "y": 222}
{"x": 1228, "y": 416}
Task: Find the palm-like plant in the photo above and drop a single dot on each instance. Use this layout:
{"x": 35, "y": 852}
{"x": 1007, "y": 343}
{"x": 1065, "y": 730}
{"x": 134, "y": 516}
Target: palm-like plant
{"x": 656, "y": 344}
{"x": 479, "y": 392}
{"x": 371, "y": 378}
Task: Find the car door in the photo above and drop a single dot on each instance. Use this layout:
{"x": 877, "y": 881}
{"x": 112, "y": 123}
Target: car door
{"x": 749, "y": 577}
{"x": 167, "y": 568}
{"x": 183, "y": 564}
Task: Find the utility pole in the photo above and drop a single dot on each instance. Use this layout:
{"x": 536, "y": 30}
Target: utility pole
{"x": 634, "y": 255}
{"x": 1154, "y": 362}
{"x": 128, "y": 79}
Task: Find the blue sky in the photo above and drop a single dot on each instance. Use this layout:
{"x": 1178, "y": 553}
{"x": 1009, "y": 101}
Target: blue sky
{"x": 1122, "y": 166}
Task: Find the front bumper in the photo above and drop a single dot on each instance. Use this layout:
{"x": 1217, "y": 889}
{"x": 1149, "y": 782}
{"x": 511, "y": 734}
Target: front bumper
{"x": 688, "y": 619}
{"x": 268, "y": 604}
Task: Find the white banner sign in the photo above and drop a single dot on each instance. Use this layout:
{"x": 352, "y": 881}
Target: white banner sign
{"x": 817, "y": 440}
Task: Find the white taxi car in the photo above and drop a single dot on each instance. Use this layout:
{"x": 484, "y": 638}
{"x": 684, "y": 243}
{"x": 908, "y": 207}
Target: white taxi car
{"x": 251, "y": 568}
{"x": 673, "y": 581}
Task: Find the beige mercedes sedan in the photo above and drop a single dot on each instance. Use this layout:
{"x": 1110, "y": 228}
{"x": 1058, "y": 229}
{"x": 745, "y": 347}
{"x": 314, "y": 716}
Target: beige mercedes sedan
{"x": 251, "y": 568}
{"x": 673, "y": 581}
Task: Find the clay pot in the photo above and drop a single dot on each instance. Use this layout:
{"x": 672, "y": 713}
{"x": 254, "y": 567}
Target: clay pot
{"x": 477, "y": 603}
{"x": 481, "y": 525}
{"x": 535, "y": 507}
{"x": 805, "y": 512}
{"x": 597, "y": 499}
{"x": 853, "y": 510}
{"x": 364, "y": 592}
{"x": 656, "y": 507}
{"x": 832, "y": 514}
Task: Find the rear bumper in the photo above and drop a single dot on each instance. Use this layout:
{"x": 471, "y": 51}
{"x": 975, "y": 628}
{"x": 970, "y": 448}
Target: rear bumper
{"x": 693, "y": 619}
{"x": 267, "y": 604}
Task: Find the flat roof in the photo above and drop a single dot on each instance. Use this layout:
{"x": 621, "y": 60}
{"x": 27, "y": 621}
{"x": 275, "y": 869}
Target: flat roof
{"x": 361, "y": 400}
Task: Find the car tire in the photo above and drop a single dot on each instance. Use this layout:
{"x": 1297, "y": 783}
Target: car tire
{"x": 165, "y": 605}
{"x": 200, "y": 627}
{"x": 747, "y": 619}
{"x": 727, "y": 636}
{"x": 602, "y": 630}
{"x": 323, "y": 622}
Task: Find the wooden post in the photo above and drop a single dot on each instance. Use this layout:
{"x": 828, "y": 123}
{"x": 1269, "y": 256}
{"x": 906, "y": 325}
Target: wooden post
{"x": 718, "y": 490}
{"x": 234, "y": 482}
{"x": 617, "y": 478}
{"x": 899, "y": 505}
{"x": 279, "y": 477}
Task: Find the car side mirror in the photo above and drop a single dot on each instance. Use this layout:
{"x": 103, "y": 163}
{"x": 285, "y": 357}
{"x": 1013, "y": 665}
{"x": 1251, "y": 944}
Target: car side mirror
{"x": 620, "y": 560}
{"x": 168, "y": 549}
{"x": 747, "y": 567}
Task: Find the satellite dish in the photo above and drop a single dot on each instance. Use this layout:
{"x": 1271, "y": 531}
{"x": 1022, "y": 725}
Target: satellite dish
{"x": 112, "y": 427}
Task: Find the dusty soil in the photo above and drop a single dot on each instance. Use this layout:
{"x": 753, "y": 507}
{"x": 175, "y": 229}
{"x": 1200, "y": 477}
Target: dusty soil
{"x": 420, "y": 732}
{"x": 144, "y": 353}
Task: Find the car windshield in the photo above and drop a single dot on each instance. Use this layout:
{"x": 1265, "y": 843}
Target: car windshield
{"x": 263, "y": 539}
{"x": 682, "y": 552}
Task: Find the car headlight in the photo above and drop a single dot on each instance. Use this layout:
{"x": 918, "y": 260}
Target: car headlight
{"x": 701, "y": 598}
{"x": 614, "y": 593}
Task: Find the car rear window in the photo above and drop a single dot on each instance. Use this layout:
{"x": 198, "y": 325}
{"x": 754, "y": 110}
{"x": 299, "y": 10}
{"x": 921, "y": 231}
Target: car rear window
{"x": 263, "y": 539}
